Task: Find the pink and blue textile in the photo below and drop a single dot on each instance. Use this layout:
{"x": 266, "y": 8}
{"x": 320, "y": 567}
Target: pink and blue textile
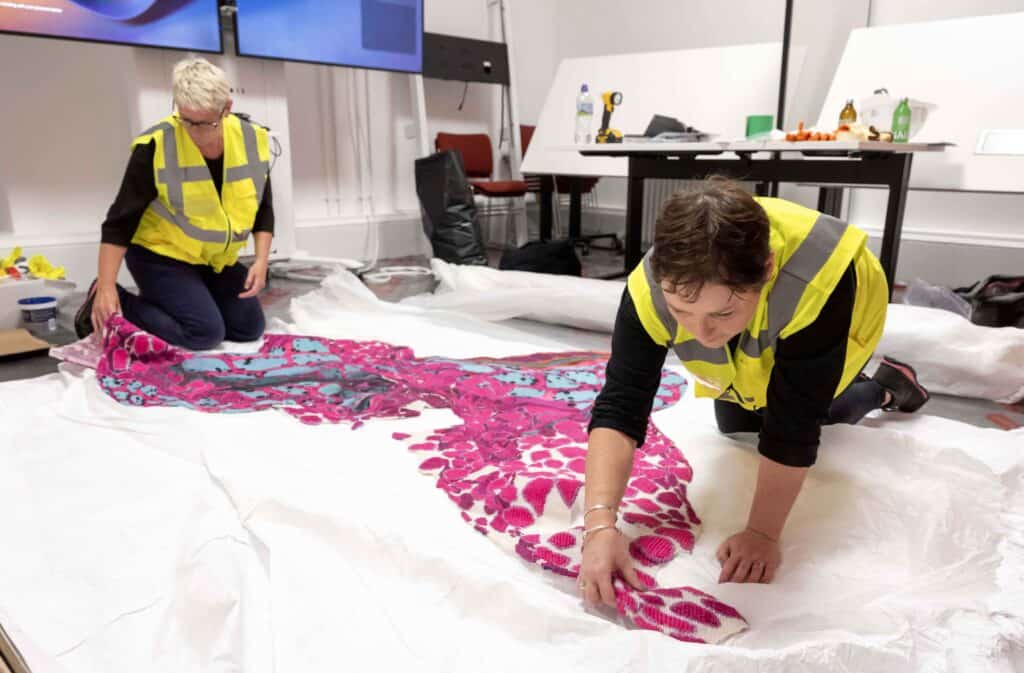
{"x": 513, "y": 466}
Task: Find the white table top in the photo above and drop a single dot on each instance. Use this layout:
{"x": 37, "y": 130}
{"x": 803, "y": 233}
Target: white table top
{"x": 711, "y": 147}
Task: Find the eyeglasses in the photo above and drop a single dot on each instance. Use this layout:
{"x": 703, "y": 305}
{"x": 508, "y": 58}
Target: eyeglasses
{"x": 200, "y": 126}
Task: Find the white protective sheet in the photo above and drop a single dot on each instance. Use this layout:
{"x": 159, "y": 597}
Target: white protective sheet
{"x": 163, "y": 539}
{"x": 950, "y": 354}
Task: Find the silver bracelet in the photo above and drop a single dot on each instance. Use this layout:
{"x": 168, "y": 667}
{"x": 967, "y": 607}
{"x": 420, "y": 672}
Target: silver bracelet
{"x": 594, "y": 508}
{"x": 588, "y": 531}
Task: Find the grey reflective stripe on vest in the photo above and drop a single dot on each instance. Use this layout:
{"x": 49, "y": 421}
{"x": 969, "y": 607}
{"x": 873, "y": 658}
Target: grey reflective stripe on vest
{"x": 153, "y": 129}
{"x": 687, "y": 351}
{"x": 189, "y": 229}
{"x": 172, "y": 173}
{"x": 658, "y": 298}
{"x": 174, "y": 176}
{"x": 812, "y": 255}
{"x": 253, "y": 168}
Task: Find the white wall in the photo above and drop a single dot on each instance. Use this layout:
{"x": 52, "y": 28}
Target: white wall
{"x": 94, "y": 98}
{"x": 888, "y": 12}
{"x": 819, "y": 27}
{"x": 70, "y": 111}
{"x": 64, "y": 139}
{"x": 950, "y": 238}
{"x": 330, "y": 216}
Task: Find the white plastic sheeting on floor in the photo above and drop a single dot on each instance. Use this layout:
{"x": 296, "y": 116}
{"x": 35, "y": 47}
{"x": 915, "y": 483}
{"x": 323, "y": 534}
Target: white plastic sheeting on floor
{"x": 951, "y": 354}
{"x": 167, "y": 540}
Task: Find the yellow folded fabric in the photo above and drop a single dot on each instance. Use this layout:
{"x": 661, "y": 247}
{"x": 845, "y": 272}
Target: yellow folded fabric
{"x": 9, "y": 260}
{"x": 40, "y": 267}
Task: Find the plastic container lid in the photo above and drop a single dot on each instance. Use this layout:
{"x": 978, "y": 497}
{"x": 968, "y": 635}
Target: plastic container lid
{"x": 37, "y": 303}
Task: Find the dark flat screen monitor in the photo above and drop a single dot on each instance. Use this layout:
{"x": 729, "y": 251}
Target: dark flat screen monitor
{"x": 192, "y": 25}
{"x": 377, "y": 34}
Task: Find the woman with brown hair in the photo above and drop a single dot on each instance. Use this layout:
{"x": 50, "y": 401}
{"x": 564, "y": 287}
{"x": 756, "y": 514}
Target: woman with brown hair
{"x": 774, "y": 309}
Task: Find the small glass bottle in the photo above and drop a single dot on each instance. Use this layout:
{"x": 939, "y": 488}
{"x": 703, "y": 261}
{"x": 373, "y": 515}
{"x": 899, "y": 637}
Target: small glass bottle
{"x": 848, "y": 115}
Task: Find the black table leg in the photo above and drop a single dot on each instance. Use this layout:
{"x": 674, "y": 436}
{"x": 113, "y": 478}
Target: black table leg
{"x": 898, "y": 183}
{"x": 830, "y": 200}
{"x": 634, "y": 219}
{"x": 575, "y": 207}
{"x": 547, "y": 184}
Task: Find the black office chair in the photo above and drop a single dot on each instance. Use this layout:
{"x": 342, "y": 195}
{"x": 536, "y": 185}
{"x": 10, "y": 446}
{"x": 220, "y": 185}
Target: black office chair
{"x": 563, "y": 184}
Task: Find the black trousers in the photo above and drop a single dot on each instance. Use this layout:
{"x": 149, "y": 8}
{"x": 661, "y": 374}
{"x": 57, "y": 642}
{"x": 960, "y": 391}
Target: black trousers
{"x": 853, "y": 404}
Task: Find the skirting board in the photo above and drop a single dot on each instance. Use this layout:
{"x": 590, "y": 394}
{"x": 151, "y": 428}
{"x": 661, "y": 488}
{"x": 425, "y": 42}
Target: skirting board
{"x": 397, "y": 237}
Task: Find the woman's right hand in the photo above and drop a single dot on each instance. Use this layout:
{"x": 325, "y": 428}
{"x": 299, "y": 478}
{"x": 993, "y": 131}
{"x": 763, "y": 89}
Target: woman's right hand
{"x": 106, "y": 304}
{"x": 605, "y": 552}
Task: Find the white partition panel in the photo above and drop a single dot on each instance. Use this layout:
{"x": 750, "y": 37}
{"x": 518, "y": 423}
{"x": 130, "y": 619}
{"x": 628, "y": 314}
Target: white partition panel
{"x": 971, "y": 68}
{"x": 712, "y": 89}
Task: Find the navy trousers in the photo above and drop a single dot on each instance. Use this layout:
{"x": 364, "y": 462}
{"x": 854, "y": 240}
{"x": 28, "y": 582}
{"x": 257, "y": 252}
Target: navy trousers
{"x": 860, "y": 398}
{"x": 190, "y": 305}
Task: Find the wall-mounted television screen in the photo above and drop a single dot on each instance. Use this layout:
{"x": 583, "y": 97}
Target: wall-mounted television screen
{"x": 378, "y": 34}
{"x": 193, "y": 25}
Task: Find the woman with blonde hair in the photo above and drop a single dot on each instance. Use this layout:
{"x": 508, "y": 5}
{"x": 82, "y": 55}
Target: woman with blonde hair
{"x": 197, "y": 185}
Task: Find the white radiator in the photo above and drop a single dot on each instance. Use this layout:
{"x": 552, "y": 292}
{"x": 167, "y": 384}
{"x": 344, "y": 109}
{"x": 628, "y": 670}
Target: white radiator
{"x": 657, "y": 192}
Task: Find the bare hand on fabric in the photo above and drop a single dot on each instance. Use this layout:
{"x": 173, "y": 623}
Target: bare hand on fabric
{"x": 605, "y": 553}
{"x": 749, "y": 556}
{"x": 106, "y": 304}
{"x": 256, "y": 280}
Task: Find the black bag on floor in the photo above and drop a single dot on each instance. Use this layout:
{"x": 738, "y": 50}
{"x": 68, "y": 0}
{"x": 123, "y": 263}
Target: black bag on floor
{"x": 555, "y": 257}
{"x": 997, "y": 301}
{"x": 448, "y": 209}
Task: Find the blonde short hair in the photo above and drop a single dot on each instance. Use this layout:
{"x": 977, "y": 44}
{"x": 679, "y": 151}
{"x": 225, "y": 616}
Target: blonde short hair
{"x": 200, "y": 85}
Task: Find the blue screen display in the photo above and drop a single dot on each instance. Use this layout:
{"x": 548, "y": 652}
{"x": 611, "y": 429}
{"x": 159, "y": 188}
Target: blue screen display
{"x": 177, "y": 24}
{"x": 381, "y": 34}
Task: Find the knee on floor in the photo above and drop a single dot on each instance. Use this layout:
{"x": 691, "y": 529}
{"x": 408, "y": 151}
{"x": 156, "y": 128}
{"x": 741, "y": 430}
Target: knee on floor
{"x": 205, "y": 336}
{"x": 250, "y": 328}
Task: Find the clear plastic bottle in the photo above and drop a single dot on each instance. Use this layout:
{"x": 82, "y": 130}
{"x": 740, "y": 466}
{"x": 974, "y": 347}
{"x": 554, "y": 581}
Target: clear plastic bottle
{"x": 584, "y": 117}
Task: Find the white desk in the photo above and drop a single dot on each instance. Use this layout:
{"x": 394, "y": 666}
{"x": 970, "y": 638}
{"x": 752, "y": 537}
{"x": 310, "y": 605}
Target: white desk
{"x": 820, "y": 147}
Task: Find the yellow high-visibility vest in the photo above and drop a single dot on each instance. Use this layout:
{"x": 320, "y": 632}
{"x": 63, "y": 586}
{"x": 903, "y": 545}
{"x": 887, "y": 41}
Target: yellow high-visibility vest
{"x": 812, "y": 252}
{"x": 188, "y": 221}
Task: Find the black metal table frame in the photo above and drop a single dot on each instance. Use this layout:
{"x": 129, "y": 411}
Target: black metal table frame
{"x": 886, "y": 169}
{"x": 547, "y": 205}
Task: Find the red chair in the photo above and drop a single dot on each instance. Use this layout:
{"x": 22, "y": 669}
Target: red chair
{"x": 478, "y": 160}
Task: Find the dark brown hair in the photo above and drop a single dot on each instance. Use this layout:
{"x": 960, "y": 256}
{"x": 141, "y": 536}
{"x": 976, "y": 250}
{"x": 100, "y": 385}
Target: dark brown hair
{"x": 712, "y": 233}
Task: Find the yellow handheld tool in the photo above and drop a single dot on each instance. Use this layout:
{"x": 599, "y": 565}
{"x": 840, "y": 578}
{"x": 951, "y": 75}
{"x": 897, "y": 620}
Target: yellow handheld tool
{"x": 605, "y": 134}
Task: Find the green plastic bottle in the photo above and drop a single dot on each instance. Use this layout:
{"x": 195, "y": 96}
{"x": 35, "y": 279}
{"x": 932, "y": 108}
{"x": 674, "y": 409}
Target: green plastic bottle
{"x": 901, "y": 122}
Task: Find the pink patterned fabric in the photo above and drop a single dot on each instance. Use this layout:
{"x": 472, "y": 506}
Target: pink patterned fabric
{"x": 84, "y": 352}
{"x": 513, "y": 466}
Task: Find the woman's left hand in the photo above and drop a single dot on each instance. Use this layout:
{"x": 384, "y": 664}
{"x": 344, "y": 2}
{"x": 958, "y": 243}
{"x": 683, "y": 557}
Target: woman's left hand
{"x": 256, "y": 280}
{"x": 749, "y": 556}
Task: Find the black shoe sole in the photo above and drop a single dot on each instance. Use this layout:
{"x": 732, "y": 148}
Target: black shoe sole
{"x": 83, "y": 318}
{"x": 892, "y": 379}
